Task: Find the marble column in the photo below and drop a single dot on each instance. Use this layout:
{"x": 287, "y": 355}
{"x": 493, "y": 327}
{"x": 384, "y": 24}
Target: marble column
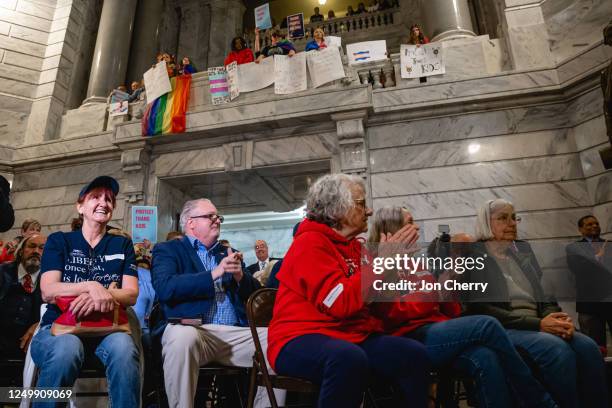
{"x": 447, "y": 19}
{"x": 225, "y": 24}
{"x": 110, "y": 59}
{"x": 145, "y": 42}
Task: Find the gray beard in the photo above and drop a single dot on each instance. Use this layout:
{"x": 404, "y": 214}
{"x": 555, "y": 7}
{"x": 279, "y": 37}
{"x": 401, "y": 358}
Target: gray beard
{"x": 31, "y": 266}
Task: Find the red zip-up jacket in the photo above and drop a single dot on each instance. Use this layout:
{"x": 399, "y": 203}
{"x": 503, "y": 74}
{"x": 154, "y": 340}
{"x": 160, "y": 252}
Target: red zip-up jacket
{"x": 415, "y": 309}
{"x": 320, "y": 290}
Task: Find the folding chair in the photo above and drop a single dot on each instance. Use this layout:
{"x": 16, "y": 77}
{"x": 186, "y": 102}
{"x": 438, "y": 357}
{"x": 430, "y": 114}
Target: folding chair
{"x": 259, "y": 312}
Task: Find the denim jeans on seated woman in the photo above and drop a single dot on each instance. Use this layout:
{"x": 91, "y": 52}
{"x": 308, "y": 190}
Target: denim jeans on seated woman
{"x": 59, "y": 360}
{"x": 480, "y": 347}
{"x": 573, "y": 371}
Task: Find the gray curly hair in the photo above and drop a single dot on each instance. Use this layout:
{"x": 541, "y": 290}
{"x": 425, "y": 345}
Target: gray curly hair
{"x": 483, "y": 230}
{"x": 329, "y": 199}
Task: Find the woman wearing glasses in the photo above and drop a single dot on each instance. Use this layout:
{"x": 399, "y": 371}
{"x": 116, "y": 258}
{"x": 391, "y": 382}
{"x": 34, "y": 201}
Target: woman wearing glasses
{"x": 568, "y": 363}
{"x": 99, "y": 270}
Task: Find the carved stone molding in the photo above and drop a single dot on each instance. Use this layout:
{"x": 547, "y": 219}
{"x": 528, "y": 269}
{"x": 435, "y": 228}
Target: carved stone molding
{"x": 352, "y": 143}
{"x": 135, "y": 164}
{"x": 238, "y": 156}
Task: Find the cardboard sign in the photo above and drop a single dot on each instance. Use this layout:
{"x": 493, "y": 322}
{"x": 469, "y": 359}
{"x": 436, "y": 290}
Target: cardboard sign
{"x": 422, "y": 61}
{"x": 262, "y": 17}
{"x": 157, "y": 82}
{"x": 366, "y": 51}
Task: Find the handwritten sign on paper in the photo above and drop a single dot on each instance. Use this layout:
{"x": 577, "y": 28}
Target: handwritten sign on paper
{"x": 425, "y": 60}
{"x": 290, "y": 74}
{"x": 232, "y": 80}
{"x": 366, "y": 51}
{"x": 219, "y": 89}
{"x": 324, "y": 66}
{"x": 252, "y": 76}
{"x": 157, "y": 82}
{"x": 333, "y": 41}
{"x": 262, "y": 17}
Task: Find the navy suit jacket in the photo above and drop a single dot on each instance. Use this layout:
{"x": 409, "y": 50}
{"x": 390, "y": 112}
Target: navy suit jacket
{"x": 185, "y": 289}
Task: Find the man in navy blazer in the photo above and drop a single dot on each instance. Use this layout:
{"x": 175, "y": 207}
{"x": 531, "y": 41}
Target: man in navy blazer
{"x": 202, "y": 289}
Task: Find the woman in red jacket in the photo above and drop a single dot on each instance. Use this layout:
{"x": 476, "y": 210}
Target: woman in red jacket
{"x": 239, "y": 53}
{"x": 322, "y": 330}
{"x": 475, "y": 345}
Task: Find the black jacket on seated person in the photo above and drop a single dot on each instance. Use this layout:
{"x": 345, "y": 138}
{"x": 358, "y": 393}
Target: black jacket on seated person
{"x": 18, "y": 309}
{"x": 496, "y": 300}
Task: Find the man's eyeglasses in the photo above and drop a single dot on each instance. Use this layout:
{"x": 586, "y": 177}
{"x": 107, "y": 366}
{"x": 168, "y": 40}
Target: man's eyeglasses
{"x": 212, "y": 217}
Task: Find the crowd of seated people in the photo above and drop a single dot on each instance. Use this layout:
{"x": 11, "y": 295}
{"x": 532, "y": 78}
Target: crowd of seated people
{"x": 516, "y": 344}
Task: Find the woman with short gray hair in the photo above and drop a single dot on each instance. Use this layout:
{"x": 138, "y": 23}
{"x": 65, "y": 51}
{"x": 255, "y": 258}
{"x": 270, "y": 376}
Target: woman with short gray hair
{"x": 321, "y": 329}
{"x": 570, "y": 364}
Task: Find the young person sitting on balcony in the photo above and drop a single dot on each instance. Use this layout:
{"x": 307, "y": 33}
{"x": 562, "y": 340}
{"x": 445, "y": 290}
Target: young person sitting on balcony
{"x": 239, "y": 53}
{"x": 278, "y": 46}
{"x": 331, "y": 15}
{"x": 318, "y": 42}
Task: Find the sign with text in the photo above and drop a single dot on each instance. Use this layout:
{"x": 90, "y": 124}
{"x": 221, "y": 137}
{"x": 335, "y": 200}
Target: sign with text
{"x": 157, "y": 82}
{"x": 295, "y": 25}
{"x": 290, "y": 74}
{"x": 262, "y": 17}
{"x": 144, "y": 223}
{"x": 421, "y": 61}
{"x": 366, "y": 51}
{"x": 232, "y": 80}
{"x": 219, "y": 89}
{"x": 324, "y": 66}
{"x": 253, "y": 77}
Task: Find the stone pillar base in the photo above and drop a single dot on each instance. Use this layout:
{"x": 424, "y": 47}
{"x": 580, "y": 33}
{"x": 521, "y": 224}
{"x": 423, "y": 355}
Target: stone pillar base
{"x": 87, "y": 119}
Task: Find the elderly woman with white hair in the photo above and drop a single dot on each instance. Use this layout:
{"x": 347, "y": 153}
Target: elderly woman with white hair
{"x": 568, "y": 363}
{"x": 322, "y": 330}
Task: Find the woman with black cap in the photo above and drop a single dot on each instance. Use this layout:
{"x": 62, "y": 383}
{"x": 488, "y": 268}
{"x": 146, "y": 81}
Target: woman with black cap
{"x": 99, "y": 270}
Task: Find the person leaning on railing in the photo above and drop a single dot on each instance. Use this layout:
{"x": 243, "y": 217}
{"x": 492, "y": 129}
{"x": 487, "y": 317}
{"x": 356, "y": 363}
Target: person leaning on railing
{"x": 318, "y": 42}
{"x": 240, "y": 53}
{"x": 278, "y": 46}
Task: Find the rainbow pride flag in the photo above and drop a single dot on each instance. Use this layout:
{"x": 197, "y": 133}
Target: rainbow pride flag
{"x": 166, "y": 114}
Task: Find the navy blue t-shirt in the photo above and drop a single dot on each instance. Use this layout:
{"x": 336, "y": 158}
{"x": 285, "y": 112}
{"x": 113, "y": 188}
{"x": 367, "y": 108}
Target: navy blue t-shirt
{"x": 70, "y": 253}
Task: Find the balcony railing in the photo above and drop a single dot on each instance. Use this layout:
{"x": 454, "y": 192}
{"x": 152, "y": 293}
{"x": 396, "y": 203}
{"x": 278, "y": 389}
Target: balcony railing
{"x": 361, "y": 24}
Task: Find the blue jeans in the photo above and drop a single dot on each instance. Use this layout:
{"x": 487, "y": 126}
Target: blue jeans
{"x": 573, "y": 371}
{"x": 343, "y": 369}
{"x": 479, "y": 347}
{"x": 59, "y": 360}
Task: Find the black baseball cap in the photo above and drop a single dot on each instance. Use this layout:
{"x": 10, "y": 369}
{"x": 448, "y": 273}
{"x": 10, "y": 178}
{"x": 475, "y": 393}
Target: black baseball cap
{"x": 102, "y": 181}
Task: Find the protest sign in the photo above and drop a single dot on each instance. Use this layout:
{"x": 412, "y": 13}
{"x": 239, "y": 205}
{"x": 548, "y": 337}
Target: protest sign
{"x": 118, "y": 104}
{"x": 425, "y": 60}
{"x": 295, "y": 26}
{"x": 324, "y": 66}
{"x": 232, "y": 80}
{"x": 144, "y": 223}
{"x": 366, "y": 51}
{"x": 262, "y": 17}
{"x": 290, "y": 74}
{"x": 219, "y": 90}
{"x": 157, "y": 82}
{"x": 252, "y": 76}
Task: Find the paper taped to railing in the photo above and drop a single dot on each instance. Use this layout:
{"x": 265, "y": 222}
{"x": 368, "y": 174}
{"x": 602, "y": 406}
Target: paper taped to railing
{"x": 290, "y": 74}
{"x": 425, "y": 60}
{"x": 253, "y": 77}
{"x": 366, "y": 51}
{"x": 219, "y": 90}
{"x": 324, "y": 66}
{"x": 157, "y": 82}
{"x": 232, "y": 80}
{"x": 333, "y": 41}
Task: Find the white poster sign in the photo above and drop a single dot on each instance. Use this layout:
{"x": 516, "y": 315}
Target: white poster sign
{"x": 118, "y": 108}
{"x": 232, "y": 80}
{"x": 425, "y": 60}
{"x": 290, "y": 74}
{"x": 157, "y": 82}
{"x": 366, "y": 51}
{"x": 324, "y": 66}
{"x": 252, "y": 76}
